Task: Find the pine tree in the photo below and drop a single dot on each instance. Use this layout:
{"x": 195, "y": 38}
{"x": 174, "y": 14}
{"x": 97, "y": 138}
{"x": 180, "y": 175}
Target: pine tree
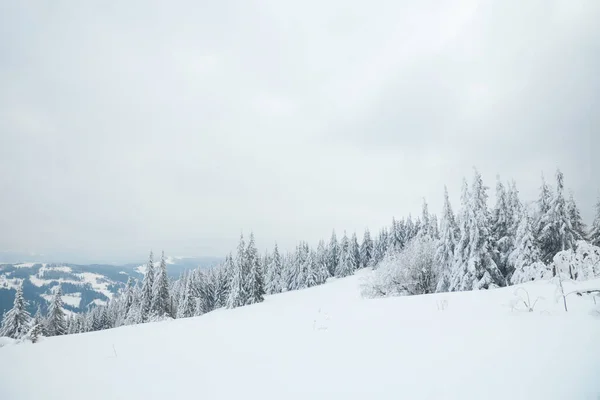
{"x": 16, "y": 321}
{"x": 594, "y": 235}
{"x": 579, "y": 229}
{"x": 147, "y": 290}
{"x": 256, "y": 290}
{"x": 341, "y": 269}
{"x": 321, "y": 260}
{"x": 56, "y": 324}
{"x": 425, "y": 223}
{"x": 366, "y": 250}
{"x": 354, "y": 252}
{"x": 526, "y": 256}
{"x": 543, "y": 207}
{"x": 502, "y": 238}
{"x": 238, "y": 294}
{"x": 312, "y": 277}
{"x": 444, "y": 256}
{"x": 161, "y": 300}
{"x": 556, "y": 233}
{"x": 333, "y": 258}
{"x": 187, "y": 306}
{"x": 477, "y": 269}
{"x": 515, "y": 207}
{"x": 275, "y": 269}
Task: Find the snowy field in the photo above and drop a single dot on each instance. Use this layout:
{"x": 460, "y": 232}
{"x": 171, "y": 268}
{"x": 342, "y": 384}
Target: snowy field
{"x": 329, "y": 343}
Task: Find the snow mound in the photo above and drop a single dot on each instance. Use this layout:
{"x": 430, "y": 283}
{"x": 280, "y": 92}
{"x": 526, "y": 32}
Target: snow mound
{"x": 327, "y": 342}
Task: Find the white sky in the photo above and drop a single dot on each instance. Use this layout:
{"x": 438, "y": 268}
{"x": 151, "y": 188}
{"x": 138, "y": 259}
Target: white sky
{"x": 132, "y": 125}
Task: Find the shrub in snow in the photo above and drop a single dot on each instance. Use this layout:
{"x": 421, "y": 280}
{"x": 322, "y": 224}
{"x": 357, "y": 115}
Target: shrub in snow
{"x": 524, "y": 299}
{"x": 408, "y": 272}
{"x": 586, "y": 261}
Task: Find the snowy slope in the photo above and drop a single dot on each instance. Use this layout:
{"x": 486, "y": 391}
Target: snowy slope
{"x": 329, "y": 343}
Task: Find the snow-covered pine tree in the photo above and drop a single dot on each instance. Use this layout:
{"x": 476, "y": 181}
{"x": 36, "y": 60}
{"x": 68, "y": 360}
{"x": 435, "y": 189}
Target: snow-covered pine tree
{"x": 543, "y": 207}
{"x": 425, "y": 219}
{"x": 366, "y": 250}
{"x": 275, "y": 271}
{"x": 434, "y": 230}
{"x": 16, "y": 321}
{"x": 256, "y": 289}
{"x": 238, "y": 294}
{"x": 342, "y": 266}
{"x": 502, "y": 240}
{"x": 333, "y": 258}
{"x": 556, "y": 234}
{"x": 594, "y": 235}
{"x": 515, "y": 207}
{"x": 321, "y": 260}
{"x": 444, "y": 256}
{"x": 526, "y": 256}
{"x": 310, "y": 265}
{"x": 161, "y": 300}
{"x": 478, "y": 269}
{"x": 579, "y": 229}
{"x": 187, "y": 305}
{"x": 410, "y": 229}
{"x": 56, "y": 323}
{"x": 147, "y": 290}
{"x": 354, "y": 252}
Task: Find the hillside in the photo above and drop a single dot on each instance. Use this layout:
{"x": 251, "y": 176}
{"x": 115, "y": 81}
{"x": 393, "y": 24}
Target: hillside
{"x": 82, "y": 285}
{"x": 327, "y": 342}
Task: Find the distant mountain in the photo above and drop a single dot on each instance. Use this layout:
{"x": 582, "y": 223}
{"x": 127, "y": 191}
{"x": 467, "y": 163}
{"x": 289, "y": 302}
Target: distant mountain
{"x": 82, "y": 285}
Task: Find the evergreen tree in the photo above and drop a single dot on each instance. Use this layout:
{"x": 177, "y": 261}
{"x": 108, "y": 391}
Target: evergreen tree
{"x": 515, "y": 207}
{"x": 275, "y": 270}
{"x": 16, "y": 321}
{"x": 312, "y": 277}
{"x": 434, "y": 230}
{"x": 444, "y": 256}
{"x": 425, "y": 223}
{"x": 256, "y": 290}
{"x": 478, "y": 269}
{"x": 526, "y": 256}
{"x": 187, "y": 306}
{"x": 556, "y": 233}
{"x": 161, "y": 300}
{"x": 502, "y": 238}
{"x": 354, "y": 252}
{"x": 543, "y": 207}
{"x": 366, "y": 250}
{"x": 341, "y": 269}
{"x": 579, "y": 229}
{"x": 595, "y": 230}
{"x": 238, "y": 294}
{"x": 56, "y": 324}
{"x": 147, "y": 290}
{"x": 321, "y": 260}
{"x": 333, "y": 258}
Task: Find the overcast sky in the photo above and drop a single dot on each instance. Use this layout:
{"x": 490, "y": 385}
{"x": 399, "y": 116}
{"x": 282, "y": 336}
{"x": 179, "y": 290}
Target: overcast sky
{"x": 130, "y": 125}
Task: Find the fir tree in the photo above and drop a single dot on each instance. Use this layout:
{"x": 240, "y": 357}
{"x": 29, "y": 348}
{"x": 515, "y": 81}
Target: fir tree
{"x": 256, "y": 290}
{"x": 579, "y": 229}
{"x": 594, "y": 235}
{"x": 161, "y": 301}
{"x": 477, "y": 270}
{"x": 321, "y": 260}
{"x": 333, "y": 258}
{"x": 16, "y": 321}
{"x": 444, "y": 256}
{"x": 147, "y": 290}
{"x": 238, "y": 294}
{"x": 56, "y": 324}
{"x": 275, "y": 271}
{"x": 556, "y": 233}
{"x": 543, "y": 207}
{"x": 312, "y": 277}
{"x": 425, "y": 223}
{"x": 526, "y": 256}
{"x": 502, "y": 238}
{"x": 187, "y": 306}
{"x": 354, "y": 252}
{"x": 342, "y": 267}
{"x": 366, "y": 250}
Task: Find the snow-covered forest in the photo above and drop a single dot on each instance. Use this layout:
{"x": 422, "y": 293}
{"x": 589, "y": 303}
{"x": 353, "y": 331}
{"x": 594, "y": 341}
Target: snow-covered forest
{"x": 479, "y": 247}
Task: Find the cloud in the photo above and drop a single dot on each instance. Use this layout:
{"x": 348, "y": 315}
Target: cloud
{"x": 138, "y": 125}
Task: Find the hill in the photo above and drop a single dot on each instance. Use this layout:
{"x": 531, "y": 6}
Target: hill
{"x": 82, "y": 285}
{"x": 327, "y": 342}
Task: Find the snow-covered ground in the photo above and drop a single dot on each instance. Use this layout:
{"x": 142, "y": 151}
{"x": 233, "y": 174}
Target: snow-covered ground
{"x": 329, "y": 343}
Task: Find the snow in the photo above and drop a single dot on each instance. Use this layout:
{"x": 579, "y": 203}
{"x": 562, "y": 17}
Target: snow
{"x": 9, "y": 283}
{"x": 122, "y": 272}
{"x": 327, "y": 342}
{"x": 27, "y": 265}
{"x": 60, "y": 268}
{"x": 98, "y": 302}
{"x": 98, "y": 282}
{"x": 71, "y": 299}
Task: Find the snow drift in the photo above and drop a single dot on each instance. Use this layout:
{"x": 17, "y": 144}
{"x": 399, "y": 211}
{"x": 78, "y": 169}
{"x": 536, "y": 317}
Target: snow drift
{"x": 327, "y": 342}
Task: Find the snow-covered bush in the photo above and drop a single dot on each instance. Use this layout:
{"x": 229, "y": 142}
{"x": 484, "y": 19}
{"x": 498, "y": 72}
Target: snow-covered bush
{"x": 408, "y": 272}
{"x": 586, "y": 261}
